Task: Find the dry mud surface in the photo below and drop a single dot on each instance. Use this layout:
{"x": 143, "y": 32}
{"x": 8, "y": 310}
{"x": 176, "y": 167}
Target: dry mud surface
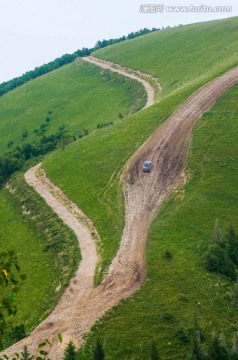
{"x": 82, "y": 304}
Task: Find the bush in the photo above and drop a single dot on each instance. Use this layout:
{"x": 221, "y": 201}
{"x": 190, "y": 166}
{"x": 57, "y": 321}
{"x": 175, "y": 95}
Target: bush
{"x": 167, "y": 255}
{"x": 98, "y": 352}
{"x": 222, "y": 256}
{"x": 181, "y": 336}
{"x": 18, "y": 333}
{"x": 217, "y": 351}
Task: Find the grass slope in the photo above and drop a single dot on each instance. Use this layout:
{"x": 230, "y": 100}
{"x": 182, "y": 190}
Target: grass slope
{"x": 65, "y": 96}
{"x": 73, "y": 95}
{"x": 178, "y": 290}
{"x": 48, "y": 252}
{"x": 92, "y": 167}
{"x": 180, "y": 56}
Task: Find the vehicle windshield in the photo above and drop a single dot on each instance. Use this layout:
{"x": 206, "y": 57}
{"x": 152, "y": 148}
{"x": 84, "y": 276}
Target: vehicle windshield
{"x": 147, "y": 164}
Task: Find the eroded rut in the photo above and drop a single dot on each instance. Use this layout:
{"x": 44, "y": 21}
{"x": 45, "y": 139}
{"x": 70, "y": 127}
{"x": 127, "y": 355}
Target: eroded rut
{"x": 144, "y": 193}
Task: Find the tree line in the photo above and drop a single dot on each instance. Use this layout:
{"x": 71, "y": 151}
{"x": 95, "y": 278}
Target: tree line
{"x": 14, "y": 160}
{"x": 65, "y": 59}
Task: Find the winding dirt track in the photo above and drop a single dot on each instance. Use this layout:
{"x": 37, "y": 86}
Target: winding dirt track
{"x": 122, "y": 70}
{"x": 79, "y": 308}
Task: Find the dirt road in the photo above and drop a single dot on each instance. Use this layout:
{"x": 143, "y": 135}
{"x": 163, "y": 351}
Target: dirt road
{"x": 121, "y": 70}
{"x": 144, "y": 194}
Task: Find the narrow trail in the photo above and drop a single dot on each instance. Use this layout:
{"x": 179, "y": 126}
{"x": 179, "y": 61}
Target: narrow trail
{"x": 144, "y": 194}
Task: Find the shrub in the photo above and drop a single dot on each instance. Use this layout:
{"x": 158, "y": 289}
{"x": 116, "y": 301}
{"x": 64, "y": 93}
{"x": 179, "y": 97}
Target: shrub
{"x": 98, "y": 352}
{"x": 222, "y": 256}
{"x": 167, "y": 255}
{"x": 217, "y": 351}
{"x": 181, "y": 336}
{"x": 216, "y": 260}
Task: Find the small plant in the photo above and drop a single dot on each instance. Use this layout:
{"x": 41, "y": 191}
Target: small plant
{"x": 62, "y": 128}
{"x": 24, "y": 134}
{"x": 233, "y": 296}
{"x": 25, "y": 355}
{"x": 103, "y": 125}
{"x": 41, "y": 352}
{"x": 10, "y": 143}
{"x": 167, "y": 255}
{"x": 181, "y": 336}
{"x": 167, "y": 316}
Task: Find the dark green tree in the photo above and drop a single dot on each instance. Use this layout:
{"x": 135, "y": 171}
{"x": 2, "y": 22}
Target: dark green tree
{"x": 234, "y": 349}
{"x": 217, "y": 235}
{"x": 232, "y": 244}
{"x": 222, "y": 255}
{"x": 70, "y": 352}
{"x": 18, "y": 333}
{"x": 154, "y": 354}
{"x": 234, "y": 295}
{"x": 98, "y": 352}
{"x": 216, "y": 350}
{"x": 196, "y": 352}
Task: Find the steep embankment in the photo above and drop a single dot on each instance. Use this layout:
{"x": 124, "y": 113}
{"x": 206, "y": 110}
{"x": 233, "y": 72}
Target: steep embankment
{"x": 144, "y": 193}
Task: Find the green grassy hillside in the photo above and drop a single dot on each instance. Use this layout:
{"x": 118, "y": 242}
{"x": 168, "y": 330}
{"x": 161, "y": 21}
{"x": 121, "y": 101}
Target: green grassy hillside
{"x": 89, "y": 170}
{"x": 73, "y": 96}
{"x": 105, "y": 153}
{"x": 48, "y": 252}
{"x": 178, "y": 290}
{"x": 78, "y": 96}
{"x": 180, "y": 56}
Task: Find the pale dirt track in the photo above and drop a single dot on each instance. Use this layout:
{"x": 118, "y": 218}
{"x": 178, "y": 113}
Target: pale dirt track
{"x": 121, "y": 70}
{"x": 144, "y": 194}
